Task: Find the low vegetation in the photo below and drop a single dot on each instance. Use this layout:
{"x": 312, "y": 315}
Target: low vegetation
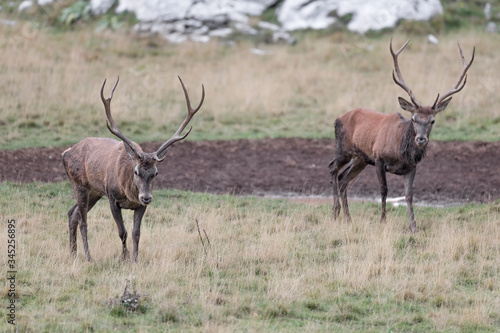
{"x": 264, "y": 264}
{"x": 51, "y": 81}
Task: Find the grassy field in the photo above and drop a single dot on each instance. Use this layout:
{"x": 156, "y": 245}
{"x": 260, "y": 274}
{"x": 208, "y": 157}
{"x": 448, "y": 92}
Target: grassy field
{"x": 49, "y": 93}
{"x": 271, "y": 265}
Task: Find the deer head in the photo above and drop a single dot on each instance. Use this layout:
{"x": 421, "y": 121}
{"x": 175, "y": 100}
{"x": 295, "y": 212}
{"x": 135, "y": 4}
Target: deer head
{"x": 144, "y": 164}
{"x": 423, "y": 116}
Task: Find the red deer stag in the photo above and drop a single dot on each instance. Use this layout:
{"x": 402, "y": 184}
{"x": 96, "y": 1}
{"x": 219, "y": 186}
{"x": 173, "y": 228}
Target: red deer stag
{"x": 121, "y": 171}
{"x": 390, "y": 142}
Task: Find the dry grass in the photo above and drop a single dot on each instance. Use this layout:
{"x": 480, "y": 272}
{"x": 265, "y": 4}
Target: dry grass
{"x": 271, "y": 265}
{"x": 50, "y": 85}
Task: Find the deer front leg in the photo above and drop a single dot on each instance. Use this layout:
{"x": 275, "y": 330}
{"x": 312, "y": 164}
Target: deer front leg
{"x": 136, "y": 233}
{"x": 409, "y": 177}
{"x": 122, "y": 232}
{"x": 380, "y": 166}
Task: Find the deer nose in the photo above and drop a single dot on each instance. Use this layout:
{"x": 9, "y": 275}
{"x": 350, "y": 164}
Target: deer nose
{"x": 421, "y": 140}
{"x": 145, "y": 199}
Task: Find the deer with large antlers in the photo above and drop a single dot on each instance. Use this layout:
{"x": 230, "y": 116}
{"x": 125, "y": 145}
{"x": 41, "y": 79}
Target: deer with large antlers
{"x": 119, "y": 170}
{"x": 390, "y": 142}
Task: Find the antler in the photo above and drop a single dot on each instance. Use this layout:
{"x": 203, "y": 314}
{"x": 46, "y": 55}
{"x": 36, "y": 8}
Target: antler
{"x": 401, "y": 81}
{"x": 111, "y": 123}
{"x": 463, "y": 76}
{"x": 177, "y": 136}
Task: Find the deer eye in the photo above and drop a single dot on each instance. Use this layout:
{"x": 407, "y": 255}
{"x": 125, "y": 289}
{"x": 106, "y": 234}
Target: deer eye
{"x": 432, "y": 121}
{"x": 136, "y": 172}
{"x": 156, "y": 173}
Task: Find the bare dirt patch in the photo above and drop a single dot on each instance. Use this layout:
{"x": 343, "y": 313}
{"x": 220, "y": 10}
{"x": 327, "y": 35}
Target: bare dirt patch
{"x": 451, "y": 171}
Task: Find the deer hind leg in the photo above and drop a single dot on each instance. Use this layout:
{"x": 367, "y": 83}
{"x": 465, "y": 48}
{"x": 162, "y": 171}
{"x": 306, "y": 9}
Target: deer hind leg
{"x": 335, "y": 165}
{"x": 82, "y": 202}
{"x": 122, "y": 232}
{"x": 74, "y": 217}
{"x": 380, "y": 166}
{"x": 349, "y": 173}
{"x": 409, "y": 198}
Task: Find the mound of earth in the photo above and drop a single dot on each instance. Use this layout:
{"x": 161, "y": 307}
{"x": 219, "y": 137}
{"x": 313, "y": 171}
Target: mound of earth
{"x": 451, "y": 171}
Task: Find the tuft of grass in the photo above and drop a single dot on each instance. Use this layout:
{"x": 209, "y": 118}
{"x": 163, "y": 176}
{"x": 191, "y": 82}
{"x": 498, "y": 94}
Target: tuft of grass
{"x": 169, "y": 313}
{"x": 131, "y": 301}
{"x": 271, "y": 265}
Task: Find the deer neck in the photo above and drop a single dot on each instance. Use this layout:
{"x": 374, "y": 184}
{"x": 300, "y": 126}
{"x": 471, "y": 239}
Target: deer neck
{"x": 127, "y": 194}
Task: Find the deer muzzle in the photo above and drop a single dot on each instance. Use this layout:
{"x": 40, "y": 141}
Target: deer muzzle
{"x": 145, "y": 199}
{"x": 421, "y": 141}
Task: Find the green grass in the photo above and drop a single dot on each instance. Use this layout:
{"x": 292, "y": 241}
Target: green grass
{"x": 272, "y": 265}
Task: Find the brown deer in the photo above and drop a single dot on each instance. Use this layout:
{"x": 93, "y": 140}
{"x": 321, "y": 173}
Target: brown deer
{"x": 121, "y": 171}
{"x": 390, "y": 142}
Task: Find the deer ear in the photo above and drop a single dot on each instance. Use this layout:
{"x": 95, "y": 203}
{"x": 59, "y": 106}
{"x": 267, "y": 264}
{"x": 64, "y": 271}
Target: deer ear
{"x": 441, "y": 106}
{"x": 405, "y": 105}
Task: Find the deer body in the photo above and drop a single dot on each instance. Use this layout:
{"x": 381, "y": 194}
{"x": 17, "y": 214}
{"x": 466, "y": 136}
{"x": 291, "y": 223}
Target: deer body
{"x": 377, "y": 136}
{"x": 118, "y": 170}
{"x": 107, "y": 169}
{"x": 390, "y": 142}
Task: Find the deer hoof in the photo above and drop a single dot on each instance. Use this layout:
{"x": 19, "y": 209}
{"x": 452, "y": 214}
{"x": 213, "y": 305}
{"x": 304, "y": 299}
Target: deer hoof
{"x": 125, "y": 255}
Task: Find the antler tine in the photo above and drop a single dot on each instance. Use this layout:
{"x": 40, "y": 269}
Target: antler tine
{"x": 177, "y": 136}
{"x": 188, "y": 102}
{"x": 113, "y": 128}
{"x": 401, "y": 81}
{"x": 463, "y": 76}
{"x": 435, "y": 102}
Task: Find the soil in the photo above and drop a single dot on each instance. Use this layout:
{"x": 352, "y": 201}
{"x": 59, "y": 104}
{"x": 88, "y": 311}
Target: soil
{"x": 452, "y": 172}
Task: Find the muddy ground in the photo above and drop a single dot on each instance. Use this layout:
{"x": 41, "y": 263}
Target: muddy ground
{"x": 452, "y": 172}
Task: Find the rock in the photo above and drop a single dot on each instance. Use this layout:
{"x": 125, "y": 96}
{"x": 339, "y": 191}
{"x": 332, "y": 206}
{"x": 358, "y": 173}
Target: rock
{"x": 200, "y": 38}
{"x": 222, "y": 32}
{"x": 269, "y": 26}
{"x": 155, "y": 10}
{"x": 167, "y": 10}
{"x": 259, "y": 51}
{"x": 492, "y": 27}
{"x": 432, "y": 39}
{"x": 366, "y": 15}
{"x": 487, "y": 11}
{"x": 175, "y": 37}
{"x": 7, "y": 22}
{"x": 304, "y": 14}
{"x": 278, "y": 33}
{"x": 101, "y": 6}
{"x": 25, "y": 5}
{"x": 245, "y": 28}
